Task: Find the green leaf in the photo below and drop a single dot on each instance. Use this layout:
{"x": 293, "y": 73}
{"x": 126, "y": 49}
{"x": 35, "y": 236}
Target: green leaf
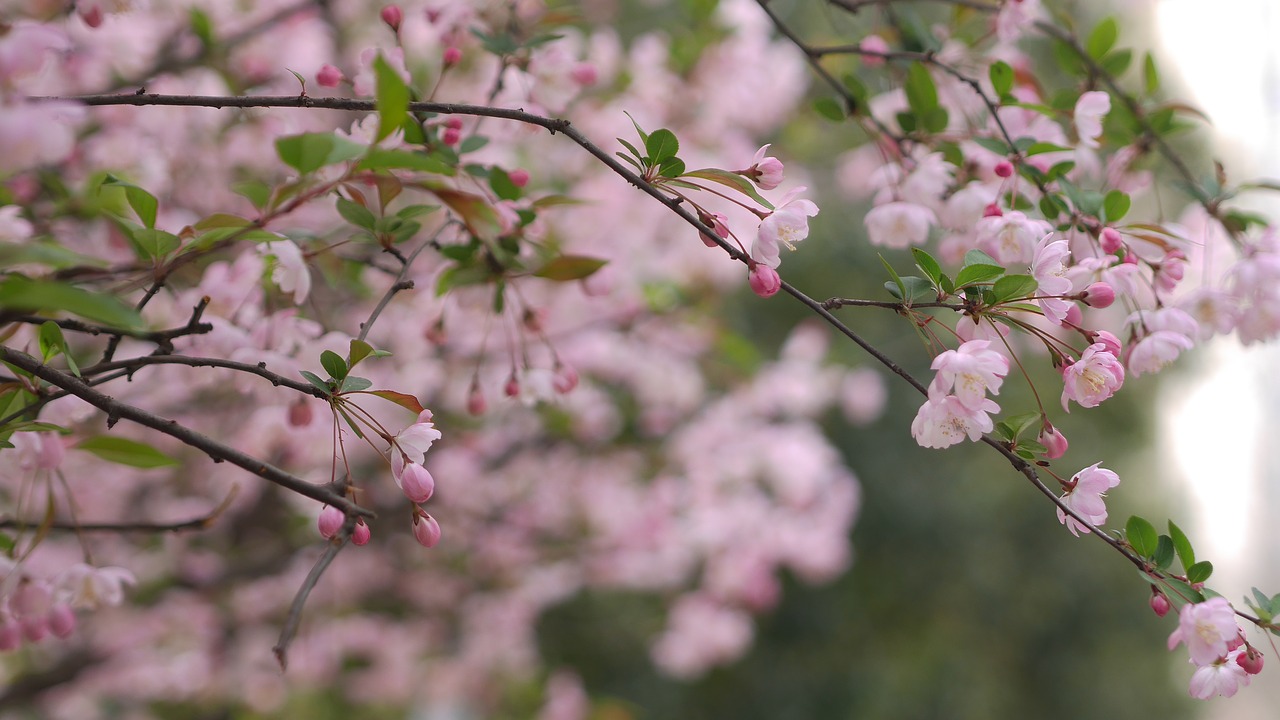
{"x": 1117, "y": 62}
{"x": 500, "y": 183}
{"x": 922, "y": 94}
{"x": 1163, "y": 556}
{"x": 671, "y": 168}
{"x": 1182, "y": 546}
{"x": 354, "y": 384}
{"x": 977, "y": 257}
{"x": 316, "y": 381}
{"x": 639, "y": 156}
{"x": 201, "y": 26}
{"x": 152, "y": 243}
{"x": 570, "y": 267}
{"x": 472, "y": 144}
{"x": 927, "y": 264}
{"x": 829, "y": 108}
{"x": 392, "y": 98}
{"x": 125, "y": 452}
{"x": 333, "y": 364}
{"x": 20, "y": 293}
{"x": 731, "y": 180}
{"x": 463, "y": 275}
{"x": 1115, "y": 205}
{"x": 897, "y": 281}
{"x": 1102, "y": 39}
{"x": 644, "y": 136}
{"x": 1019, "y": 424}
{"x": 408, "y": 402}
{"x": 1001, "y": 77}
{"x": 309, "y": 152}
{"x": 919, "y": 290}
{"x": 971, "y": 274}
{"x": 386, "y": 159}
{"x": 935, "y": 121}
{"x": 358, "y": 351}
{"x": 1199, "y": 572}
{"x": 1141, "y": 536}
{"x": 1043, "y": 147}
{"x": 1150, "y": 76}
{"x": 1183, "y": 591}
{"x": 255, "y": 191}
{"x": 144, "y": 204}
{"x": 661, "y": 145}
{"x": 356, "y": 214}
{"x": 1011, "y": 287}
{"x": 999, "y": 147}
{"x": 301, "y": 80}
{"x": 51, "y": 341}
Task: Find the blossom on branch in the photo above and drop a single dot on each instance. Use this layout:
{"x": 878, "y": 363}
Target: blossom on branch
{"x": 1096, "y": 376}
{"x": 1085, "y": 498}
{"x": 787, "y": 225}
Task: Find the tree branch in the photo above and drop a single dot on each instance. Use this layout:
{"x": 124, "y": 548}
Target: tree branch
{"x": 217, "y": 451}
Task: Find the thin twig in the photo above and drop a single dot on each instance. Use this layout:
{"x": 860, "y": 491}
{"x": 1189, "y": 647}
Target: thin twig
{"x": 290, "y": 627}
{"x": 201, "y": 523}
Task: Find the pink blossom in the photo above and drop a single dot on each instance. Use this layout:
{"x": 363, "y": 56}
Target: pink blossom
{"x": 765, "y": 171}
{"x": 288, "y": 268}
{"x": 1224, "y": 676}
{"x": 764, "y": 280}
{"x": 899, "y": 224}
{"x": 1049, "y": 269}
{"x": 1206, "y": 628}
{"x": 414, "y": 441}
{"x": 1011, "y": 238}
{"x": 1109, "y": 341}
{"x": 972, "y": 369}
{"x": 1110, "y": 240}
{"x": 1156, "y": 350}
{"x": 90, "y": 588}
{"x": 787, "y": 225}
{"x": 945, "y": 421}
{"x": 416, "y": 483}
{"x": 873, "y": 47}
{"x": 1089, "y": 487}
{"x": 1159, "y": 604}
{"x": 426, "y": 530}
{"x": 328, "y": 76}
{"x": 1090, "y": 109}
{"x": 392, "y": 16}
{"x": 330, "y": 521}
{"x": 1015, "y": 17}
{"x": 1096, "y": 376}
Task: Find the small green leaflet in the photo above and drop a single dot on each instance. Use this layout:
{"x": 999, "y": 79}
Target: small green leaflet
{"x": 125, "y": 452}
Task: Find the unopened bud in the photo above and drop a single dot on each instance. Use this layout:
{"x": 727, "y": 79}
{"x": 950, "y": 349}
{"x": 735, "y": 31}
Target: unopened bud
{"x": 476, "y": 404}
{"x": 417, "y": 483}
{"x": 392, "y": 16}
{"x": 1160, "y": 604}
{"x": 426, "y": 530}
{"x": 764, "y": 280}
{"x": 1099, "y": 295}
{"x": 361, "y": 535}
{"x": 328, "y": 76}
{"x": 1250, "y": 662}
{"x": 330, "y": 521}
{"x": 1053, "y": 440}
{"x": 519, "y": 178}
{"x": 992, "y": 210}
{"x": 452, "y": 56}
{"x": 1004, "y": 169}
{"x": 512, "y": 388}
{"x": 1110, "y": 240}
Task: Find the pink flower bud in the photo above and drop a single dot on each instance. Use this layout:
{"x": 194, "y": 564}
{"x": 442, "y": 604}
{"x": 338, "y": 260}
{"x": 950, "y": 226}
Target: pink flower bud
{"x": 1053, "y": 440}
{"x": 1110, "y": 240}
{"x": 451, "y": 136}
{"x": 1250, "y": 662}
{"x": 584, "y": 74}
{"x": 512, "y": 388}
{"x": 992, "y": 210}
{"x": 519, "y": 178}
{"x": 392, "y": 16}
{"x": 566, "y": 378}
{"x": 1110, "y": 341}
{"x": 328, "y": 76}
{"x": 764, "y": 280}
{"x": 1130, "y": 259}
{"x": 1004, "y": 169}
{"x": 873, "y": 44}
{"x": 1099, "y": 295}
{"x": 300, "y": 414}
{"x": 91, "y": 15}
{"x": 453, "y": 122}
{"x": 330, "y": 522}
{"x": 62, "y": 620}
{"x": 476, "y": 404}
{"x": 10, "y": 636}
{"x": 1159, "y": 604}
{"x": 452, "y": 56}
{"x": 34, "y": 628}
{"x": 426, "y": 530}
{"x": 417, "y": 483}
{"x": 360, "y": 536}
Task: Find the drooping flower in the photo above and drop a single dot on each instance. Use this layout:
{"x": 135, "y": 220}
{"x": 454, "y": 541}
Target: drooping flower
{"x": 1049, "y": 269}
{"x": 1224, "y": 676}
{"x": 899, "y": 224}
{"x": 289, "y": 269}
{"x": 787, "y": 225}
{"x": 766, "y": 171}
{"x": 1206, "y": 628}
{"x": 1085, "y": 498}
{"x": 425, "y": 529}
{"x": 89, "y": 587}
{"x": 413, "y": 442}
{"x": 764, "y": 280}
{"x": 972, "y": 370}
{"x": 1096, "y": 376}
{"x": 1090, "y": 109}
{"x": 416, "y": 483}
{"x": 945, "y": 421}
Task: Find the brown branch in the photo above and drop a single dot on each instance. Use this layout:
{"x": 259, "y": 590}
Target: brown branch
{"x": 217, "y": 451}
{"x": 201, "y": 523}
{"x": 290, "y": 627}
{"x": 259, "y": 369}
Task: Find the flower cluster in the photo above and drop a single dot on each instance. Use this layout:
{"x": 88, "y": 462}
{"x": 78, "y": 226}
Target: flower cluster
{"x": 958, "y": 405}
